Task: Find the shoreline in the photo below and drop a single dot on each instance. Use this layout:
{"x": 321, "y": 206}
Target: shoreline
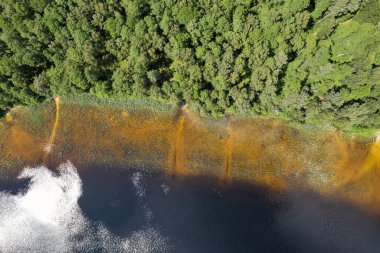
{"x": 268, "y": 152}
{"x": 161, "y": 106}
{"x": 360, "y": 134}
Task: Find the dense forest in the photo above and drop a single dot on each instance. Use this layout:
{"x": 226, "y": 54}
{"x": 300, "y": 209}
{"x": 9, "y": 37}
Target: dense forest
{"x": 310, "y": 61}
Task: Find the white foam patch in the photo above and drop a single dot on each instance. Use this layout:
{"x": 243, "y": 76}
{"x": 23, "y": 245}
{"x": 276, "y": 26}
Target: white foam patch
{"x": 165, "y": 188}
{"x": 46, "y": 217}
{"x": 137, "y": 180}
{"x": 145, "y": 241}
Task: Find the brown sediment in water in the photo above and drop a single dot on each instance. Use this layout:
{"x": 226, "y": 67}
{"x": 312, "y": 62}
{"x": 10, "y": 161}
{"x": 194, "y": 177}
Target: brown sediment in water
{"x": 228, "y": 146}
{"x": 48, "y": 148}
{"x": 264, "y": 152}
{"x": 176, "y": 163}
{"x": 358, "y": 173}
{"x": 21, "y": 144}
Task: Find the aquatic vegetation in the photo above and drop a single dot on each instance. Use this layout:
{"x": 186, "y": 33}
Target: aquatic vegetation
{"x": 180, "y": 143}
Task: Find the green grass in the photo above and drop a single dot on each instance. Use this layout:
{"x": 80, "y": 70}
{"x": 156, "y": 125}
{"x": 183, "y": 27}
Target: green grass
{"x": 138, "y": 103}
{"x": 363, "y": 133}
{"x": 35, "y": 113}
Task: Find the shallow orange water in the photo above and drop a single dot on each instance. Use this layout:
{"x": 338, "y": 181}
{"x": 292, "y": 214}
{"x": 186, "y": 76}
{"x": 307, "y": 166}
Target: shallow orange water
{"x": 265, "y": 152}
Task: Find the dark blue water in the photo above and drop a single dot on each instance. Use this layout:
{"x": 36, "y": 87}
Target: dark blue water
{"x": 196, "y": 214}
{"x": 199, "y": 214}
{"x": 13, "y": 185}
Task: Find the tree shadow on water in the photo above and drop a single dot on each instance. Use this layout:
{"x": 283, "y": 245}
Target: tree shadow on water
{"x": 203, "y": 214}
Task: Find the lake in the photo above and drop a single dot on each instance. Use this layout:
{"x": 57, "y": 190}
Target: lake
{"x": 101, "y": 209}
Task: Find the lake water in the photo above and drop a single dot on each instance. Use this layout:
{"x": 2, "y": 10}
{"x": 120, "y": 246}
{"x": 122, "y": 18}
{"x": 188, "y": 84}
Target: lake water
{"x": 127, "y": 210}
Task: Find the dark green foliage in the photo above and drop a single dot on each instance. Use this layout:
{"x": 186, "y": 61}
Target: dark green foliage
{"x": 313, "y": 61}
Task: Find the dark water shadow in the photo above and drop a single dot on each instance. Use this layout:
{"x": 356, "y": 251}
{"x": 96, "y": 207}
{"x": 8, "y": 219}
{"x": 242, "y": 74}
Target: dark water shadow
{"x": 197, "y": 214}
{"x": 13, "y": 185}
{"x": 312, "y": 223}
{"x": 200, "y": 214}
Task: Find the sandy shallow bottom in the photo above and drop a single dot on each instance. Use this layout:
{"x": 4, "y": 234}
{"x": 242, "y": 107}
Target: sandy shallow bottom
{"x": 179, "y": 144}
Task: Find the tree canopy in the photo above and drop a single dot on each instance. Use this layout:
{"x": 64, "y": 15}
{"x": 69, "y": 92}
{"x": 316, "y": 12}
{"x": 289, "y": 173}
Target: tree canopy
{"x": 313, "y": 61}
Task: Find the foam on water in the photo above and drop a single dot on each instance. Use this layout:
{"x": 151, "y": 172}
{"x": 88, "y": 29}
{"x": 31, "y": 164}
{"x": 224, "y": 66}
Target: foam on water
{"x": 138, "y": 183}
{"x": 137, "y": 180}
{"x": 46, "y": 217}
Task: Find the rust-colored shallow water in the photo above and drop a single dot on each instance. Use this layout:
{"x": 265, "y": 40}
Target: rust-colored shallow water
{"x": 264, "y": 152}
